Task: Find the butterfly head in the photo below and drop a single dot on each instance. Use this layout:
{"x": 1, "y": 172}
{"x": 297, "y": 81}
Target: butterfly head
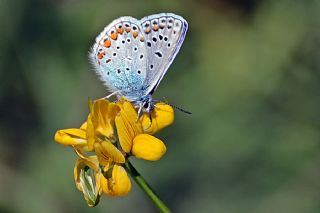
{"x": 147, "y": 104}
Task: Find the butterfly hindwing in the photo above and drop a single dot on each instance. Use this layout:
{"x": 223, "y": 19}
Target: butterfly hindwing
{"x": 119, "y": 56}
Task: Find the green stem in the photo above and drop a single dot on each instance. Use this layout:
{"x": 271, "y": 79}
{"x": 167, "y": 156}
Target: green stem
{"x": 146, "y": 188}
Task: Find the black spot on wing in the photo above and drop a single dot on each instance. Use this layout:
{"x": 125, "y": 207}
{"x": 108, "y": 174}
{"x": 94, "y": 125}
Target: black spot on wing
{"x": 159, "y": 54}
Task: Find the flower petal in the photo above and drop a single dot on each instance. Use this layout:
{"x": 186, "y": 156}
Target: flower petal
{"x": 108, "y": 153}
{"x": 148, "y": 147}
{"x": 126, "y": 124}
{"x": 161, "y": 117}
{"x": 122, "y": 184}
{"x": 84, "y": 126}
{"x": 90, "y": 133}
{"x": 104, "y": 184}
{"x": 119, "y": 184}
{"x": 71, "y": 137}
{"x": 103, "y": 114}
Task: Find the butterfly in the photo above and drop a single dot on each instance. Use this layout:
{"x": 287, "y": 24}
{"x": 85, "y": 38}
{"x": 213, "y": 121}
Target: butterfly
{"x": 132, "y": 56}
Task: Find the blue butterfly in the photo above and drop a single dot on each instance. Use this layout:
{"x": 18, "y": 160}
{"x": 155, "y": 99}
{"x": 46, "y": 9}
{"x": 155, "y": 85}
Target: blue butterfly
{"x": 131, "y": 56}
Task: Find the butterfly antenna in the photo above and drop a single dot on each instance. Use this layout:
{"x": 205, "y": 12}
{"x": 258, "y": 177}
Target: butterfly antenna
{"x": 180, "y": 109}
{"x": 173, "y": 106}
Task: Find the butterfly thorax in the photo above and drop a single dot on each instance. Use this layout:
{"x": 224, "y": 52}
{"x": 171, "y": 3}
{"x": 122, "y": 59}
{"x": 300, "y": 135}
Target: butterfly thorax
{"x": 144, "y": 104}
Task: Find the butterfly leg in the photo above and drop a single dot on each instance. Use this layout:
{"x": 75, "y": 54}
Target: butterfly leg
{"x": 150, "y": 117}
{"x": 112, "y": 94}
{"x": 140, "y": 111}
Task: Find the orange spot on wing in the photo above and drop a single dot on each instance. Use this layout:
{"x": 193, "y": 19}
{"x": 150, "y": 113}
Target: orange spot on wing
{"x": 107, "y": 43}
{"x": 100, "y": 55}
{"x": 114, "y": 36}
{"x": 142, "y": 39}
{"x": 120, "y": 30}
{"x": 155, "y": 27}
{"x": 147, "y": 30}
{"x": 135, "y": 34}
{"x": 128, "y": 29}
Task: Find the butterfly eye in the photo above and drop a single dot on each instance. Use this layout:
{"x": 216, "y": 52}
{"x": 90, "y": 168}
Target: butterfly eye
{"x": 146, "y": 105}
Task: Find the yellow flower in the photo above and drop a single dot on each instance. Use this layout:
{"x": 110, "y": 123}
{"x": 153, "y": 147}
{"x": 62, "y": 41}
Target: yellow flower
{"x": 91, "y": 173}
{"x": 103, "y": 172}
{"x": 132, "y": 135}
{"x": 118, "y": 184}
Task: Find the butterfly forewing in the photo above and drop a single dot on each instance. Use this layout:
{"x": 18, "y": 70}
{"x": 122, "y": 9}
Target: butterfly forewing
{"x": 120, "y": 58}
{"x": 164, "y": 34}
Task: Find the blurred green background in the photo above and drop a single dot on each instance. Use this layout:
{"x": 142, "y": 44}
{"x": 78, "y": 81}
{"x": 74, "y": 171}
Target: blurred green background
{"x": 249, "y": 70}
